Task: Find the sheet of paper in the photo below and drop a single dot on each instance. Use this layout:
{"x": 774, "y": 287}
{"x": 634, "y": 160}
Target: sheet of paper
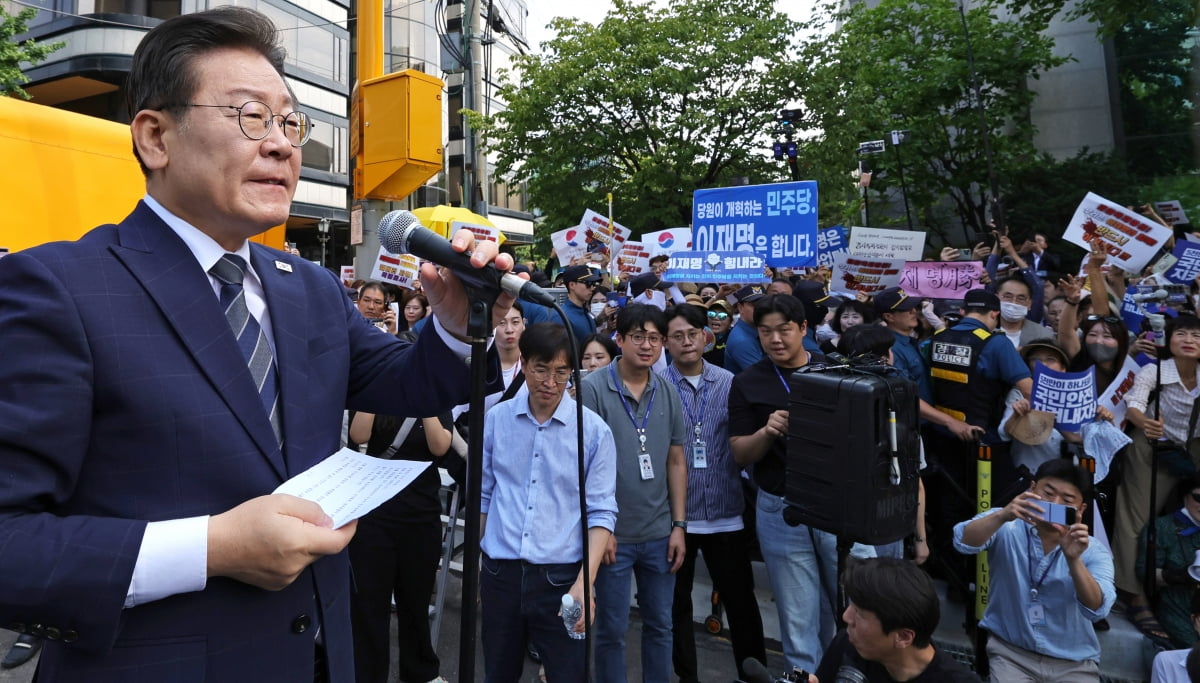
{"x": 349, "y": 484}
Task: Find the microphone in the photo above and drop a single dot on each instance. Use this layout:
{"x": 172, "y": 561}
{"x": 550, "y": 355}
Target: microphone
{"x": 400, "y": 232}
{"x": 1156, "y": 295}
{"x": 756, "y": 672}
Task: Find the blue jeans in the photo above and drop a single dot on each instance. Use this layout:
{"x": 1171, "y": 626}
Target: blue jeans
{"x": 802, "y": 567}
{"x": 519, "y": 599}
{"x": 655, "y": 590}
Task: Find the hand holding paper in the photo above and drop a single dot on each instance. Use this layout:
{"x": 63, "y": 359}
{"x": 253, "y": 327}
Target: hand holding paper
{"x": 349, "y": 484}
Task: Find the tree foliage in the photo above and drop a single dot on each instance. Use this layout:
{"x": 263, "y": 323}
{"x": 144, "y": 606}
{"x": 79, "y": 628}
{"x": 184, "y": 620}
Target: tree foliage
{"x": 903, "y": 65}
{"x": 13, "y": 53}
{"x": 650, "y": 104}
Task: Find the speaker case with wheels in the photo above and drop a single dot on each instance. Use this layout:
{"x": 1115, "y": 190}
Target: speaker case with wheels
{"x": 838, "y": 468}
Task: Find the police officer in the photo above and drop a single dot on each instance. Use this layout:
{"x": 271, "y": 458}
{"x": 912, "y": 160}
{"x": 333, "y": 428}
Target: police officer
{"x": 972, "y": 367}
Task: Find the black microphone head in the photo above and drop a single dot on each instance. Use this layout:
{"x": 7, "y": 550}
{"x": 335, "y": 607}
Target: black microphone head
{"x": 394, "y": 229}
{"x": 756, "y": 671}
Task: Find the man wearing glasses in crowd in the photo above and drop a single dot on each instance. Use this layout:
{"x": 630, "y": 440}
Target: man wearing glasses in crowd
{"x": 649, "y": 428}
{"x": 532, "y": 547}
{"x": 163, "y": 376}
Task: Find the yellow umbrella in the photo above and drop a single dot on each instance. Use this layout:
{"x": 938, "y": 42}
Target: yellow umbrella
{"x": 439, "y": 218}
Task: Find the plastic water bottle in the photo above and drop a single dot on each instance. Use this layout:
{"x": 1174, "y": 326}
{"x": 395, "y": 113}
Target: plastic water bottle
{"x": 571, "y": 611}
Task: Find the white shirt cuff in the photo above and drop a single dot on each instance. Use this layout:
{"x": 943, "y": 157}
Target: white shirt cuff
{"x": 458, "y": 347}
{"x": 173, "y": 559}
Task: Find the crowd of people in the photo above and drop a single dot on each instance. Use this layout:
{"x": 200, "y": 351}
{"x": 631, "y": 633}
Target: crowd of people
{"x": 163, "y": 376}
{"x": 690, "y": 383}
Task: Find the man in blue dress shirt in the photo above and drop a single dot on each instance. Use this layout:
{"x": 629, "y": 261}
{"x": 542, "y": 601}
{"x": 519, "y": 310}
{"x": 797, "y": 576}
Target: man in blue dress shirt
{"x": 1049, "y": 581}
{"x": 532, "y": 542}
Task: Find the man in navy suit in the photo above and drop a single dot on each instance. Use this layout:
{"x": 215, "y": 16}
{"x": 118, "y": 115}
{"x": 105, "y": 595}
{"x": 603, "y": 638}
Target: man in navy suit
{"x": 138, "y": 533}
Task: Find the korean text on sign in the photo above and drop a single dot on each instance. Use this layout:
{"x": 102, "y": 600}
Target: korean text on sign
{"x": 778, "y": 222}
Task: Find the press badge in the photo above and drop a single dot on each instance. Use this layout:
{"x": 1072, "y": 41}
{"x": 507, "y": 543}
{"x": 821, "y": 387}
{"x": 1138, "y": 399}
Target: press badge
{"x": 1037, "y": 614}
{"x": 646, "y": 466}
{"x": 699, "y": 456}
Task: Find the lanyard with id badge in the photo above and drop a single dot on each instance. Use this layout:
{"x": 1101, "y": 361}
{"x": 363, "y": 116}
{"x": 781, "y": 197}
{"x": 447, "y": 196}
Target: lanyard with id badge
{"x": 645, "y": 466}
{"x": 698, "y": 448}
{"x": 1036, "y": 612}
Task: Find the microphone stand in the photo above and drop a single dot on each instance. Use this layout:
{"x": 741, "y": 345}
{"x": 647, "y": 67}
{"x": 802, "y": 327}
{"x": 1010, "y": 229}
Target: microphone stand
{"x": 479, "y": 325}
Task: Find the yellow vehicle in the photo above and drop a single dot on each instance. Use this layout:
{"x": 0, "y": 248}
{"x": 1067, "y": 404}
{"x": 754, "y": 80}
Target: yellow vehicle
{"x": 65, "y": 173}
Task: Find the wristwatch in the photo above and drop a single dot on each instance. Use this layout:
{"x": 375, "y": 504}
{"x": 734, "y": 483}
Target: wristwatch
{"x": 679, "y": 524}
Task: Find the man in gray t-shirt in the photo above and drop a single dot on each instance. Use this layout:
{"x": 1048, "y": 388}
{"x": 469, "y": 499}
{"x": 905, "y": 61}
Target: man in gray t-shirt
{"x": 649, "y": 428}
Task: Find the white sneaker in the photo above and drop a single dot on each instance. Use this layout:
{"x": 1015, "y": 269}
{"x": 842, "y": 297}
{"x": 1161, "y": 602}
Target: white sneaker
{"x": 439, "y": 679}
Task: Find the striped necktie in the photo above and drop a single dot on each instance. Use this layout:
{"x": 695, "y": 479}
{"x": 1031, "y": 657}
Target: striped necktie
{"x": 230, "y": 271}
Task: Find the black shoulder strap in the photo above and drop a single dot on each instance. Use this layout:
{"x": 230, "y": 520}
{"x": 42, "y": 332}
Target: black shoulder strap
{"x": 513, "y": 387}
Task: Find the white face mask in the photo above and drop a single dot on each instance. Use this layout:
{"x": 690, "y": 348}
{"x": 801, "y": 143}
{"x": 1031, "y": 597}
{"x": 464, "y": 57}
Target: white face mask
{"x": 1012, "y": 313}
{"x": 597, "y": 307}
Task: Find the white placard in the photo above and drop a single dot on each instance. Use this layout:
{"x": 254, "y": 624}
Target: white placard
{"x": 634, "y": 258}
{"x": 597, "y": 233}
{"x": 569, "y": 244}
{"x": 852, "y": 273}
{"x": 668, "y": 241}
{"x": 1130, "y": 239}
{"x": 483, "y": 233}
{"x": 904, "y": 245}
{"x": 1172, "y": 212}
{"x": 398, "y": 269}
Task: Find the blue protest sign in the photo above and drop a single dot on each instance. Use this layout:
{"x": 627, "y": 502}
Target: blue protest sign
{"x": 714, "y": 266}
{"x": 778, "y": 221}
{"x": 1187, "y": 263}
{"x": 830, "y": 242}
{"x": 1071, "y": 396}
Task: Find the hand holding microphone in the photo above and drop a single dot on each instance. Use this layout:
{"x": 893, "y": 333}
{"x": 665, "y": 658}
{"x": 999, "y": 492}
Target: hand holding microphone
{"x": 473, "y": 265}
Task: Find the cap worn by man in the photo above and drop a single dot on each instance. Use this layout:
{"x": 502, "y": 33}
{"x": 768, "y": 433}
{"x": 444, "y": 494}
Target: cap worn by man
{"x": 980, "y": 300}
{"x": 895, "y": 300}
{"x": 810, "y": 292}
{"x": 750, "y": 294}
{"x": 639, "y": 284}
{"x": 579, "y": 274}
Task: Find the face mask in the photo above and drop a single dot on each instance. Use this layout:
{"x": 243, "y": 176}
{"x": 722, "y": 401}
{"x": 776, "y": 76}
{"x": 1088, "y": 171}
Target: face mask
{"x": 1102, "y": 353}
{"x": 1012, "y": 313}
{"x": 597, "y": 308}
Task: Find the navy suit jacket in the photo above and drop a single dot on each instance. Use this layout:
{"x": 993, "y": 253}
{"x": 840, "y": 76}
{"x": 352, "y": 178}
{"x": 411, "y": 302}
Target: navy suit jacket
{"x": 124, "y": 399}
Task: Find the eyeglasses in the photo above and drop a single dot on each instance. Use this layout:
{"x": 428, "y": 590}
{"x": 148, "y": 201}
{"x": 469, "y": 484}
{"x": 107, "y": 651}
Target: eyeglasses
{"x": 1110, "y": 319}
{"x": 718, "y": 315}
{"x": 638, "y": 338}
{"x": 1195, "y": 497}
{"x": 256, "y": 118}
{"x": 589, "y": 285}
{"x": 539, "y": 374}
{"x": 690, "y": 335}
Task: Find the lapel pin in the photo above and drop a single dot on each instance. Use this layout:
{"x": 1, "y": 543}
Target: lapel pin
{"x": 285, "y": 267}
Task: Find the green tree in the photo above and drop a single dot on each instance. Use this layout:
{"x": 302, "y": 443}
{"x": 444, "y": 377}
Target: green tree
{"x": 13, "y": 53}
{"x": 650, "y": 104}
{"x": 903, "y": 65}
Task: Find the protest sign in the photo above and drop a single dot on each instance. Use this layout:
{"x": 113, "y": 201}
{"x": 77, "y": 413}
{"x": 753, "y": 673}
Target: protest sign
{"x": 483, "y": 233}
{"x": 1187, "y": 263}
{"x": 1172, "y": 212}
{"x": 634, "y": 258}
{"x": 347, "y": 275}
{"x": 569, "y": 244}
{"x": 941, "y": 279}
{"x": 1130, "y": 240}
{"x": 1071, "y": 396}
{"x": 398, "y": 269}
{"x": 1113, "y": 397}
{"x": 905, "y": 245}
{"x": 870, "y": 275}
{"x": 715, "y": 266}
{"x": 778, "y": 222}
{"x": 598, "y": 236}
{"x": 830, "y": 241}
{"x": 668, "y": 241}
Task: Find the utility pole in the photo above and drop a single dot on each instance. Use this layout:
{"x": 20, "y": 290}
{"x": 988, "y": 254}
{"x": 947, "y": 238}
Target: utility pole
{"x": 475, "y": 180}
